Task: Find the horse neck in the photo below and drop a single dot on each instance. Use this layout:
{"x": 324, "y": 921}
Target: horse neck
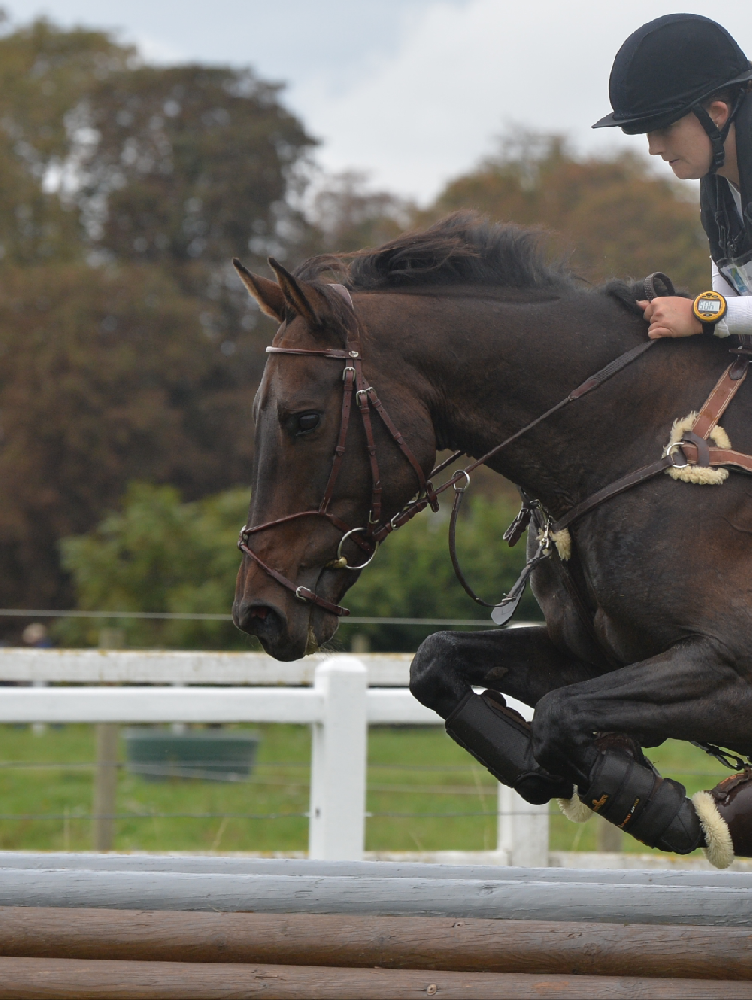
{"x": 484, "y": 368}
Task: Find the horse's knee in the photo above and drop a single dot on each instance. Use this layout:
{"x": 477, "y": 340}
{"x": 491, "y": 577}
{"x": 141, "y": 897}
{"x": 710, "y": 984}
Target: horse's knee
{"x": 434, "y": 680}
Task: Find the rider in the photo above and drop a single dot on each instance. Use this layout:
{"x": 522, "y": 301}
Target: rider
{"x": 684, "y": 81}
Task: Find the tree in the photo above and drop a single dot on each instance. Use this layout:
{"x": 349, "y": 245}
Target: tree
{"x": 159, "y": 554}
{"x": 130, "y": 349}
{"x": 612, "y": 217}
{"x": 106, "y": 376}
{"x": 44, "y": 73}
{"x": 346, "y": 215}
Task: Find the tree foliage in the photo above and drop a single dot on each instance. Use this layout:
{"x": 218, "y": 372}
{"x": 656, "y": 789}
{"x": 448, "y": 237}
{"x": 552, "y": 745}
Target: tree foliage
{"x": 159, "y": 554}
{"x": 130, "y": 349}
{"x": 106, "y": 376}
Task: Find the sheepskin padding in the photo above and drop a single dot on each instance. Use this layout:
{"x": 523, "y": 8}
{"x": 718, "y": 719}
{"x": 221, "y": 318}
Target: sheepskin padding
{"x": 575, "y": 809}
{"x": 719, "y": 848}
{"x": 563, "y": 542}
{"x": 694, "y": 473}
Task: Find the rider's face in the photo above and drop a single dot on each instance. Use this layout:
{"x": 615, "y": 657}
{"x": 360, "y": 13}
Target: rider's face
{"x": 685, "y": 145}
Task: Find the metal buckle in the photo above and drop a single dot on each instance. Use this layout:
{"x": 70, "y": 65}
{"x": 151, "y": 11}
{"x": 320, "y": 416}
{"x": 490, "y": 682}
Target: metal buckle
{"x": 544, "y": 539}
{"x": 345, "y": 370}
{"x": 670, "y": 450}
{"x": 301, "y": 597}
{"x": 344, "y": 538}
{"x": 461, "y": 489}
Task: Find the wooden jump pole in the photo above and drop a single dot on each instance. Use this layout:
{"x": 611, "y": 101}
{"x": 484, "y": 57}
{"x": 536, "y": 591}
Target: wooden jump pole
{"x": 626, "y": 902}
{"x": 509, "y": 946}
{"x": 73, "y": 979}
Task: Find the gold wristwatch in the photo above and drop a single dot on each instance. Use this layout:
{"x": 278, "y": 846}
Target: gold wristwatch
{"x": 709, "y": 308}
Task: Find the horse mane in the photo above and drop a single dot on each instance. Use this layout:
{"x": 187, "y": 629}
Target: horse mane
{"x": 462, "y": 249}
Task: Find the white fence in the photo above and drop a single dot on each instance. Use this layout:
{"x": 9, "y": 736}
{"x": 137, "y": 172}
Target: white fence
{"x": 340, "y": 696}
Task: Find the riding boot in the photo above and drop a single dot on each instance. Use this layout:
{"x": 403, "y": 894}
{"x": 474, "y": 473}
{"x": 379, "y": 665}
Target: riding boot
{"x": 726, "y": 816}
{"x": 500, "y": 739}
{"x": 625, "y": 789}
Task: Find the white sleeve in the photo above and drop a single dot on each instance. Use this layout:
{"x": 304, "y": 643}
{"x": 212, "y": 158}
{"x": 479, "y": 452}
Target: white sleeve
{"x": 720, "y": 284}
{"x": 738, "y": 319}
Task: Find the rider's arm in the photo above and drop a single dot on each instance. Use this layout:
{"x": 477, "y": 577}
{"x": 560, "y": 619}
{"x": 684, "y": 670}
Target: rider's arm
{"x": 738, "y": 319}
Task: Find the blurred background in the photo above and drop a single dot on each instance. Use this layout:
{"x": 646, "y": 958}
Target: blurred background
{"x": 141, "y": 147}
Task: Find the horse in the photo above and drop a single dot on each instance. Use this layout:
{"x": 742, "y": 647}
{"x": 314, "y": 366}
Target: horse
{"x": 467, "y": 334}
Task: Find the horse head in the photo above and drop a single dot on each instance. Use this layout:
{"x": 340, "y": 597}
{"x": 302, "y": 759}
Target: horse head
{"x": 330, "y": 467}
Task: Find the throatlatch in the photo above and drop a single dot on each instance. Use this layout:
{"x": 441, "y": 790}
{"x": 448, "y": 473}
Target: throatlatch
{"x": 500, "y": 739}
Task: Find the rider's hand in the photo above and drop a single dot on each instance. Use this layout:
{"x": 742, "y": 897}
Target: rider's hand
{"x": 670, "y": 317}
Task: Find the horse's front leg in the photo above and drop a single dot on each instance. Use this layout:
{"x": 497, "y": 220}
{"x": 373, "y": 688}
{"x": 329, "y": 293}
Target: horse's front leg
{"x": 520, "y": 662}
{"x": 691, "y": 692}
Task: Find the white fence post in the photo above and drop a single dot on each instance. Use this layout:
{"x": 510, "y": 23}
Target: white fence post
{"x": 338, "y": 764}
{"x": 522, "y": 830}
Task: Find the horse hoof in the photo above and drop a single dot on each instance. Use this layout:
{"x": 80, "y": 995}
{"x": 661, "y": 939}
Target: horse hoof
{"x": 726, "y": 816}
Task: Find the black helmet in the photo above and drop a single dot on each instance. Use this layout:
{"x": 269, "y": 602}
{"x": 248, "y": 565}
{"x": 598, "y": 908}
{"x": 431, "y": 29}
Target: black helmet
{"x": 667, "y": 68}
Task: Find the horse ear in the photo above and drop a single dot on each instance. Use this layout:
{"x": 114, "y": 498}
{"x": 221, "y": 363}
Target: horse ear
{"x": 267, "y": 293}
{"x": 294, "y": 294}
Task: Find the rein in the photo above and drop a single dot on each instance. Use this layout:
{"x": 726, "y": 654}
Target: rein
{"x": 373, "y": 533}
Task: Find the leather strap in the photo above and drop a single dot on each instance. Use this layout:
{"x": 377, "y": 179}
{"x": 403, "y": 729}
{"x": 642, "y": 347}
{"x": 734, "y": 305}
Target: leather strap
{"x": 303, "y": 593}
{"x": 717, "y": 456}
{"x": 613, "y": 490}
{"x": 717, "y": 402}
{"x": 329, "y": 352}
{"x": 693, "y": 446}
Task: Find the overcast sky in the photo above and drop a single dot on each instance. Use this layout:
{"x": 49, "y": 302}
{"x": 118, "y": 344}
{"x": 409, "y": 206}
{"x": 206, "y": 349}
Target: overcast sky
{"x": 412, "y": 91}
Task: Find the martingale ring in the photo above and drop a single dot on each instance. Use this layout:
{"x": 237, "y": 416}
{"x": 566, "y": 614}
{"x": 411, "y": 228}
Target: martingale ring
{"x": 670, "y": 451}
{"x": 345, "y": 564}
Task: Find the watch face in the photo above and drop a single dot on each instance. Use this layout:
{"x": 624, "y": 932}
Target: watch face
{"x": 709, "y": 307}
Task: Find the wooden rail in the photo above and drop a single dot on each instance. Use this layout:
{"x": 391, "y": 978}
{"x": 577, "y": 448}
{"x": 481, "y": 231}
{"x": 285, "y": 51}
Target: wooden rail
{"x": 441, "y": 943}
{"x": 130, "y": 927}
{"x": 74, "y": 979}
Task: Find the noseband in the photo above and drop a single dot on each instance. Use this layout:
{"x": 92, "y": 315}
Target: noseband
{"x": 373, "y": 533}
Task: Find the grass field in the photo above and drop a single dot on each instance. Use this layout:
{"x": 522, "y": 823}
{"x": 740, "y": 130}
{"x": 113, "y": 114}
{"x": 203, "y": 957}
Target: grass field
{"x": 413, "y": 774}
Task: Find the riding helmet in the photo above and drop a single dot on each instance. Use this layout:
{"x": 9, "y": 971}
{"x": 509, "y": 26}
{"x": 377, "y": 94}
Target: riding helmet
{"x": 666, "y": 67}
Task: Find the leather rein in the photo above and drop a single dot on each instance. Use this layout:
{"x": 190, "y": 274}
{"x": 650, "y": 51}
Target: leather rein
{"x": 370, "y": 536}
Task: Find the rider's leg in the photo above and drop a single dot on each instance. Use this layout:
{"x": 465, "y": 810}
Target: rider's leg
{"x": 520, "y": 662}
{"x": 690, "y": 692}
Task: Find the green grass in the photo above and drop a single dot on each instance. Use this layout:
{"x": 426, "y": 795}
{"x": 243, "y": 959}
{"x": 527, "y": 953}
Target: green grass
{"x": 411, "y": 770}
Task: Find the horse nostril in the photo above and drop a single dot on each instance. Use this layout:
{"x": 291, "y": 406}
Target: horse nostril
{"x": 259, "y": 612}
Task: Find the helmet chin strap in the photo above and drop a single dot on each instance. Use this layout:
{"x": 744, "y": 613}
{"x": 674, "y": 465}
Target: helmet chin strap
{"x": 717, "y": 135}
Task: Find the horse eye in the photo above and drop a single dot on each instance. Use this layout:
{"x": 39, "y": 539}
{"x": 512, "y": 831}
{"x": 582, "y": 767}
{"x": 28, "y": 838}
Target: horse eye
{"x": 308, "y": 422}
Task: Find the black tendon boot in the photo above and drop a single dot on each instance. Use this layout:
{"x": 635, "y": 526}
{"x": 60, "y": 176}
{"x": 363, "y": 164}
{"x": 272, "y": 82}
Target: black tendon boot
{"x": 625, "y": 789}
{"x": 499, "y": 738}
{"x": 726, "y": 816}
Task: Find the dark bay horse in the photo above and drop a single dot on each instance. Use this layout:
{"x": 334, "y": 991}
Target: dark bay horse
{"x": 467, "y": 335}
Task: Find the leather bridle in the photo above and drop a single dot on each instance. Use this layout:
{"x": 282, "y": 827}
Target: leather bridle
{"x": 355, "y": 387}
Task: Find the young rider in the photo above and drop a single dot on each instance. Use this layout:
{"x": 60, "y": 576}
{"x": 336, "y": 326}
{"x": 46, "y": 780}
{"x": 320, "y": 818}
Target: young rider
{"x": 685, "y": 82}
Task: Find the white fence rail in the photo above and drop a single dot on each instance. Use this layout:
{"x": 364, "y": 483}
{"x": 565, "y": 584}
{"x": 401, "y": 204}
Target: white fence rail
{"x": 339, "y": 696}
